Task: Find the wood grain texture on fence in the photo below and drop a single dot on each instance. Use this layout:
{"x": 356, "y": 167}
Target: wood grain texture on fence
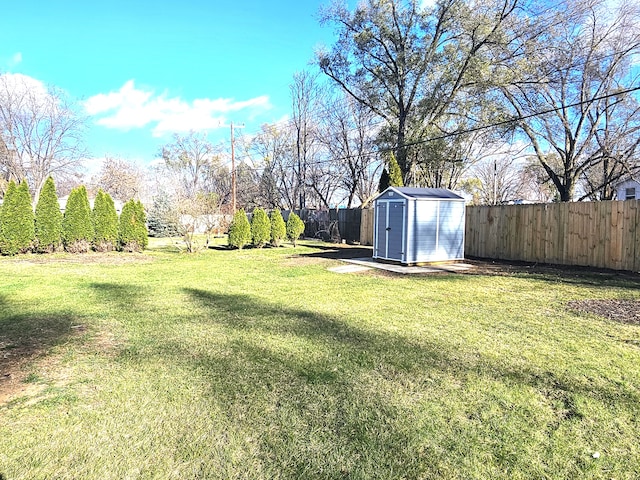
{"x": 596, "y": 234}
{"x": 366, "y": 226}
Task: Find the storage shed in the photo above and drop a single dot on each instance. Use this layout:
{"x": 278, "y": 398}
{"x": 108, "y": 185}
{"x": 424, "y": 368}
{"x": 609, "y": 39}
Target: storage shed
{"x": 418, "y": 225}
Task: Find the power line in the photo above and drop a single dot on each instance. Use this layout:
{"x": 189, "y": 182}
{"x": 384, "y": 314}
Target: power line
{"x": 334, "y": 109}
{"x": 510, "y": 121}
{"x": 523, "y": 117}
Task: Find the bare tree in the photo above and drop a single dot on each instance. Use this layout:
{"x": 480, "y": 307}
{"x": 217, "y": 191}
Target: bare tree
{"x": 249, "y": 179}
{"x": 6, "y": 161}
{"x": 443, "y": 160}
{"x": 40, "y": 131}
{"x": 323, "y": 179}
{"x": 571, "y": 93}
{"x": 279, "y": 183}
{"x": 120, "y": 179}
{"x": 217, "y": 180}
{"x": 618, "y": 148}
{"x": 497, "y": 175}
{"x": 348, "y": 132}
{"x": 199, "y": 214}
{"x": 189, "y": 158}
{"x": 536, "y": 185}
{"x": 305, "y": 96}
{"x": 66, "y": 183}
{"x": 199, "y": 188}
{"x": 500, "y": 180}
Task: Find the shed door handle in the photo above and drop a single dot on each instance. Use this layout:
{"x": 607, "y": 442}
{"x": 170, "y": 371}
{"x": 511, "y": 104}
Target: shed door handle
{"x": 388, "y": 228}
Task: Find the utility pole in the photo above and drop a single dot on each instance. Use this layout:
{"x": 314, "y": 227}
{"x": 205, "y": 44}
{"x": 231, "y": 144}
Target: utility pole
{"x": 233, "y": 170}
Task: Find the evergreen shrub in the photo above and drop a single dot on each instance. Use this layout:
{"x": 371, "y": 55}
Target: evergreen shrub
{"x": 48, "y": 219}
{"x": 239, "y": 230}
{"x": 295, "y": 228}
{"x": 17, "y": 222}
{"x": 260, "y": 227}
{"x": 132, "y": 230}
{"x": 278, "y": 228}
{"x": 384, "y": 183}
{"x": 77, "y": 224}
{"x": 395, "y": 174}
{"x": 162, "y": 220}
{"x": 105, "y": 222}
{"x": 6, "y": 200}
{"x": 142, "y": 233}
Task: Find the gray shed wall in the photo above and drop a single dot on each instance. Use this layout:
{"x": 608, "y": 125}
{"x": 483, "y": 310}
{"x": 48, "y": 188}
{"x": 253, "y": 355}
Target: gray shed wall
{"x": 436, "y": 231}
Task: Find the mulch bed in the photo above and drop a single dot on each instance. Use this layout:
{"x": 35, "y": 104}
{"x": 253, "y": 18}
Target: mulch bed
{"x": 623, "y": 311}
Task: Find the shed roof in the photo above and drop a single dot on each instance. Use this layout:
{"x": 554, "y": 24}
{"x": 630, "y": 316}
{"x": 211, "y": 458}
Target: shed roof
{"x": 426, "y": 193}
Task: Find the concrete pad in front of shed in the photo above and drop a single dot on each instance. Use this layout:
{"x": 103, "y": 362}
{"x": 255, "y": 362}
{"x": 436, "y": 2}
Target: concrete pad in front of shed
{"x": 349, "y": 269}
{"x": 404, "y": 269}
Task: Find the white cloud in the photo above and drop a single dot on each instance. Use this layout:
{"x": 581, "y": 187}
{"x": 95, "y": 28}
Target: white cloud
{"x": 25, "y": 92}
{"x": 15, "y": 59}
{"x": 21, "y": 84}
{"x": 131, "y": 107}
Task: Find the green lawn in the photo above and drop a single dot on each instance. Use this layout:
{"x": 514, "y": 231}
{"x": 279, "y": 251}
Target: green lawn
{"x": 264, "y": 364}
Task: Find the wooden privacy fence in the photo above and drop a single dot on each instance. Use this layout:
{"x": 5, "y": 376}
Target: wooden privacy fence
{"x": 596, "y": 234}
{"x": 366, "y": 226}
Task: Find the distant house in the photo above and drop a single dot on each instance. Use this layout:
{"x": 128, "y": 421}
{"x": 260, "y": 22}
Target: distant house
{"x": 628, "y": 190}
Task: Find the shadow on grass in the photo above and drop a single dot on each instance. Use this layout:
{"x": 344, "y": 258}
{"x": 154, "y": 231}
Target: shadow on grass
{"x": 338, "y": 251}
{"x": 169, "y": 248}
{"x": 326, "y": 398}
{"x": 25, "y": 336}
{"x": 622, "y": 280}
{"x": 402, "y": 353}
{"x": 304, "y": 395}
{"x": 121, "y": 295}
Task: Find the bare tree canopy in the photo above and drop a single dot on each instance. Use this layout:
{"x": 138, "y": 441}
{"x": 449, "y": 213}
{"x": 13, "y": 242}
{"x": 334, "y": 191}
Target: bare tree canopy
{"x": 199, "y": 184}
{"x": 409, "y": 64}
{"x": 120, "y": 179}
{"x": 40, "y": 132}
{"x": 189, "y": 158}
{"x": 348, "y": 132}
{"x": 278, "y": 182}
{"x": 297, "y": 171}
{"x": 303, "y": 96}
{"x": 579, "y": 71}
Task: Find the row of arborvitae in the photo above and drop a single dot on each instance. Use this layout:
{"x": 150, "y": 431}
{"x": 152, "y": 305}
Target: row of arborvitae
{"x": 264, "y": 229}
{"x": 79, "y": 230}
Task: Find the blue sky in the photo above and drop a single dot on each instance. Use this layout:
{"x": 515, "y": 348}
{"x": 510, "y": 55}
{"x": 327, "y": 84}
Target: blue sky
{"x": 144, "y": 69}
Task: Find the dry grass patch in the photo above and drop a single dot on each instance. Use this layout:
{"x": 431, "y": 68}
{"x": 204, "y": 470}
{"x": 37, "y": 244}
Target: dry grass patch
{"x": 623, "y": 311}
